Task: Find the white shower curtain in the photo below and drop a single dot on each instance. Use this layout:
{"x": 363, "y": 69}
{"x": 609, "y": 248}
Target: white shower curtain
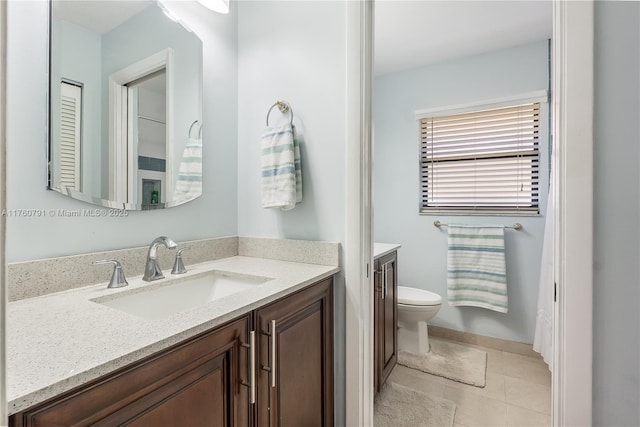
{"x": 543, "y": 339}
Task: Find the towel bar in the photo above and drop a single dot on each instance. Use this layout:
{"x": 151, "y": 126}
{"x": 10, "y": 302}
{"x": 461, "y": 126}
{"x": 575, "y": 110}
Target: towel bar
{"x": 284, "y": 108}
{"x": 517, "y": 226}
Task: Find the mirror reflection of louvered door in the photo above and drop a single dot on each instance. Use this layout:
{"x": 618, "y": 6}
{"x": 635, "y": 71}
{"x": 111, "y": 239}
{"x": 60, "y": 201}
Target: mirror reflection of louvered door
{"x": 70, "y": 135}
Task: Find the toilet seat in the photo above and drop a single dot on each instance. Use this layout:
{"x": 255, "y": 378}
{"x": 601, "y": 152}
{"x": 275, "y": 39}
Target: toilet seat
{"x": 420, "y": 297}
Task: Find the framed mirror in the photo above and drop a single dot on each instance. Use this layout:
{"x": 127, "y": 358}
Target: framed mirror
{"x": 125, "y": 105}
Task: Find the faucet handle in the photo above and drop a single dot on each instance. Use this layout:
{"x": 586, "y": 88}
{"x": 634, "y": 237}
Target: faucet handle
{"x": 118, "y": 280}
{"x": 178, "y": 265}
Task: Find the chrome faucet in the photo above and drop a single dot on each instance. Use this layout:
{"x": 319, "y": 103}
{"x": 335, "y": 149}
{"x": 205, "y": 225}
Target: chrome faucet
{"x": 152, "y": 270}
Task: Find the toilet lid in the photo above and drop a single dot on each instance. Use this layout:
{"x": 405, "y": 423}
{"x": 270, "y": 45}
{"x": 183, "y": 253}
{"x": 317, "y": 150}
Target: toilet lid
{"x": 413, "y": 296}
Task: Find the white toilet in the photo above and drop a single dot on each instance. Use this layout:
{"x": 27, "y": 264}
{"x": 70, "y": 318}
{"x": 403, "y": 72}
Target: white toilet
{"x": 415, "y": 308}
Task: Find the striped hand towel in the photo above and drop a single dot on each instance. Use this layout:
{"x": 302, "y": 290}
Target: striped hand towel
{"x": 476, "y": 267}
{"x": 281, "y": 172}
{"x": 189, "y": 181}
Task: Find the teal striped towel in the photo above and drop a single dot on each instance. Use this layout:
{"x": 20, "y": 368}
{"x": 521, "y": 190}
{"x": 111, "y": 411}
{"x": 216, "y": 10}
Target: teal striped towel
{"x": 476, "y": 267}
{"x": 189, "y": 181}
{"x": 281, "y": 173}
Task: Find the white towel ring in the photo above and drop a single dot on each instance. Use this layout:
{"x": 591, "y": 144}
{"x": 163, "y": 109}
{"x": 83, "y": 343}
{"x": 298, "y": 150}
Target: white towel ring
{"x": 284, "y": 108}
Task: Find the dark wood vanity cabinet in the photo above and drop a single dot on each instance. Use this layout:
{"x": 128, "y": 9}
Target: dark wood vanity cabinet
{"x": 385, "y": 315}
{"x": 295, "y": 348}
{"x": 206, "y": 380}
{"x": 196, "y": 383}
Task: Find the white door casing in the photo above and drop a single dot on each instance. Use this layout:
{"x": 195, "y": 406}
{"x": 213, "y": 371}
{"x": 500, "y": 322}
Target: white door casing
{"x": 573, "y": 32}
{"x": 118, "y": 119}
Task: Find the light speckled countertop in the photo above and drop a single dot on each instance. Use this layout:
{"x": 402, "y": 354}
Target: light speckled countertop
{"x": 381, "y": 249}
{"x": 59, "y": 341}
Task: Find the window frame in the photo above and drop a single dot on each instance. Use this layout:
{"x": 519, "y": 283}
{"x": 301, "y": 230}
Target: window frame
{"x": 540, "y": 97}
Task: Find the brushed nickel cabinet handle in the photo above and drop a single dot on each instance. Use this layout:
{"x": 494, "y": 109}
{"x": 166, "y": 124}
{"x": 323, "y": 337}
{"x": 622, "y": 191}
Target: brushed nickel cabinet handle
{"x": 384, "y": 281}
{"x": 273, "y": 353}
{"x": 252, "y": 366}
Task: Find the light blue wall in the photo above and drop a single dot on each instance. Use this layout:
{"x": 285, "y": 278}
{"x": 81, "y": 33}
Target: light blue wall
{"x": 80, "y": 61}
{"x": 616, "y": 288}
{"x": 212, "y": 215}
{"x": 296, "y": 51}
{"x": 422, "y": 261}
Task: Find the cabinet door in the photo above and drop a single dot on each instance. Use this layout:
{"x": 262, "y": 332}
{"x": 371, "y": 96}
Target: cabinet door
{"x": 386, "y": 318}
{"x": 196, "y": 383}
{"x": 295, "y": 359}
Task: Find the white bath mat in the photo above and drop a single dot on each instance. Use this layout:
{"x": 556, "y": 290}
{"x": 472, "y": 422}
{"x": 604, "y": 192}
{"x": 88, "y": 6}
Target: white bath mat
{"x": 400, "y": 406}
{"x": 456, "y": 362}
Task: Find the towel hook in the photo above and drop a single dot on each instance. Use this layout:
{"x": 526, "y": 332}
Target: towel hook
{"x": 284, "y": 108}
{"x": 191, "y": 128}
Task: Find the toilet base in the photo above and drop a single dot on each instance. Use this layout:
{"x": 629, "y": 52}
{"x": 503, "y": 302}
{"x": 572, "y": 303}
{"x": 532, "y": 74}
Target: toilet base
{"x": 413, "y": 337}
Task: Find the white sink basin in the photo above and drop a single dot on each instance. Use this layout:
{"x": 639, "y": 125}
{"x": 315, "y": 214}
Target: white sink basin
{"x": 166, "y": 299}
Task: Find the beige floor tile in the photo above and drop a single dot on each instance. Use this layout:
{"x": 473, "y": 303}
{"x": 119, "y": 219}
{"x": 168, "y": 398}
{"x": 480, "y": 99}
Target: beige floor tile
{"x": 494, "y": 361}
{"x": 520, "y": 397}
{"x": 526, "y": 368}
{"x": 418, "y": 380}
{"x": 475, "y": 410}
{"x": 528, "y": 395}
{"x": 520, "y": 417}
{"x": 494, "y": 388}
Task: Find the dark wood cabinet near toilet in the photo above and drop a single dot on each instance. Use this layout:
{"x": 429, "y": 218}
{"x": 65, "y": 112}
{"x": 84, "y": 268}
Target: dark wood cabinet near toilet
{"x": 385, "y": 314}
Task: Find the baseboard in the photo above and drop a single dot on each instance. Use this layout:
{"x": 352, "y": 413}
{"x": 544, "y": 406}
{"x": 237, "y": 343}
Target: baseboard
{"x": 484, "y": 341}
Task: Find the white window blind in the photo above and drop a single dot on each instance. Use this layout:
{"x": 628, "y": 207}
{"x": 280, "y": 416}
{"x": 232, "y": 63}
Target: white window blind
{"x": 483, "y": 161}
{"x": 70, "y": 120}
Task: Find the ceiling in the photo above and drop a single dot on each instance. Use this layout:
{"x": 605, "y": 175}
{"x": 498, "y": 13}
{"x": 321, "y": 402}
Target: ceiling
{"x": 408, "y": 33}
{"x": 412, "y": 34}
{"x": 99, "y": 16}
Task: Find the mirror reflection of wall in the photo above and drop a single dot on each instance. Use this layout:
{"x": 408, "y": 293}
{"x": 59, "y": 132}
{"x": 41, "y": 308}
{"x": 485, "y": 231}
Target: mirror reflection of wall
{"x": 105, "y": 50}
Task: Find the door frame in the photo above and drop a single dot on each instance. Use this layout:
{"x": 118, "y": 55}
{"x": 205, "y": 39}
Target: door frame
{"x": 573, "y": 24}
{"x": 3, "y": 205}
{"x": 573, "y": 86}
{"x": 358, "y": 252}
{"x": 121, "y": 187}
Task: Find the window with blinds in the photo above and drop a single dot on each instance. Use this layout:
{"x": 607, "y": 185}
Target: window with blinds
{"x": 481, "y": 162}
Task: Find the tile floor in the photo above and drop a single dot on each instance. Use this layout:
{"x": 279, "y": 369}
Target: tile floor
{"x": 517, "y": 391}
